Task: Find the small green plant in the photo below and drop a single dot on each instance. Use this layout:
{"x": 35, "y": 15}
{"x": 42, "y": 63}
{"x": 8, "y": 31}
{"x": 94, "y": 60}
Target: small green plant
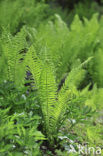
{"x": 19, "y": 134}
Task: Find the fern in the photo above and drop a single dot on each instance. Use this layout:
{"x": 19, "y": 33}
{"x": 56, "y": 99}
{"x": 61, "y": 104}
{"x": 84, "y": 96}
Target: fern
{"x": 53, "y": 104}
{"x": 96, "y": 70}
{"x": 68, "y": 91}
{"x": 12, "y": 56}
{"x": 51, "y": 52}
{"x": 95, "y": 67}
{"x": 47, "y": 93}
{"x": 34, "y": 64}
{"x": 29, "y": 13}
{"x": 66, "y": 45}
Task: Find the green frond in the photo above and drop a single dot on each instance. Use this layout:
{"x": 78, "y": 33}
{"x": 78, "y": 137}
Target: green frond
{"x": 67, "y": 92}
{"x": 96, "y": 68}
{"x": 48, "y": 96}
{"x": 13, "y": 54}
{"x": 44, "y": 78}
{"x": 34, "y": 64}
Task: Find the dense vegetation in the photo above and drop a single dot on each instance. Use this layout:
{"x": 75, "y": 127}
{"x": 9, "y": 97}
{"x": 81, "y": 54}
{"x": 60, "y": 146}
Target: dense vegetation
{"x": 51, "y": 77}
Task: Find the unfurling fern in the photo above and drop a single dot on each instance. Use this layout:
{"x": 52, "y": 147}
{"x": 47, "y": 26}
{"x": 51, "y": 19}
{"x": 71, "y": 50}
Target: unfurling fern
{"x": 53, "y": 103}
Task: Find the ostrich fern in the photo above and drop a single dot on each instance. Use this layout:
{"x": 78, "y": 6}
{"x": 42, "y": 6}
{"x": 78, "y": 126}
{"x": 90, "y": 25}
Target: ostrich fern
{"x": 53, "y": 103}
{"x": 12, "y": 66}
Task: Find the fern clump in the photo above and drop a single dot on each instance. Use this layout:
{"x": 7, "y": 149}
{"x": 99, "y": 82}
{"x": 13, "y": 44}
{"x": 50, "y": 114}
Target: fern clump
{"x": 53, "y": 103}
{"x": 29, "y": 13}
{"x": 66, "y": 45}
{"x": 12, "y": 65}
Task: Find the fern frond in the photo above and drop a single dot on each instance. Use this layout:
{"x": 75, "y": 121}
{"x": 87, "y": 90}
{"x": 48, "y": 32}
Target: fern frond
{"x": 48, "y": 95}
{"x": 67, "y": 92}
{"x": 34, "y": 64}
{"x": 13, "y": 54}
{"x": 47, "y": 90}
